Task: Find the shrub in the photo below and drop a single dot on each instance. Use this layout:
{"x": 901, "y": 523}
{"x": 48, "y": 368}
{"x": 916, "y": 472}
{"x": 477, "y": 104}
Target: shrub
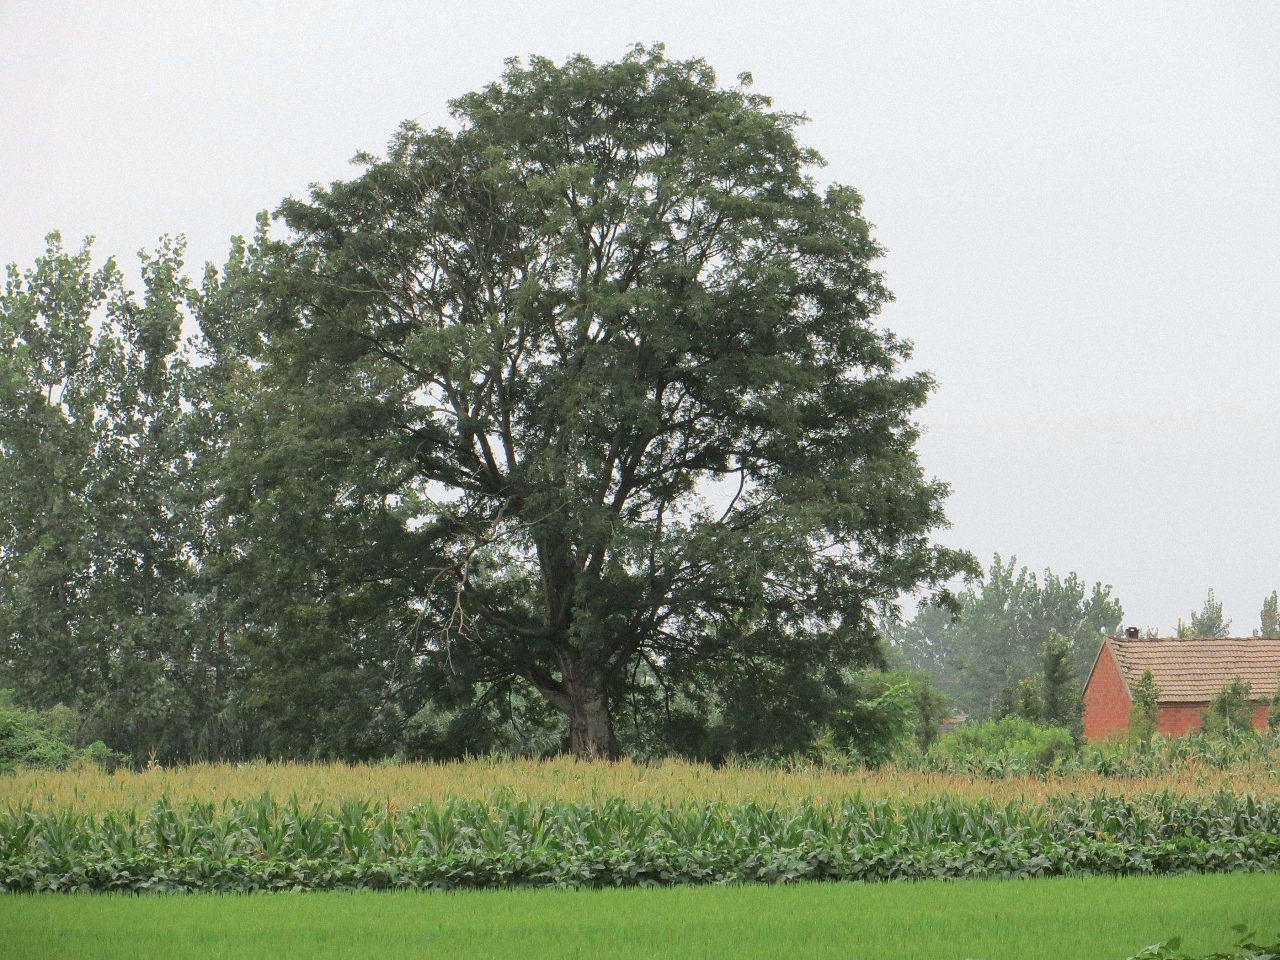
{"x": 24, "y": 744}
{"x": 1010, "y": 742}
{"x": 1231, "y": 711}
{"x": 1144, "y": 714}
{"x": 32, "y": 739}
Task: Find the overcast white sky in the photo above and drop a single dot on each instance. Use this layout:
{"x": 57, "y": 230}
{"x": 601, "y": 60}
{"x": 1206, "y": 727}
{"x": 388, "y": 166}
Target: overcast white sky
{"x": 1081, "y": 203}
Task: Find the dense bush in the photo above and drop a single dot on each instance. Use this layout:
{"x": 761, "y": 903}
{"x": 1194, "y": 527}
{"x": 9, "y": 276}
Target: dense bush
{"x": 1230, "y": 711}
{"x": 259, "y": 845}
{"x": 886, "y": 713}
{"x": 1011, "y": 744}
{"x": 42, "y": 739}
{"x": 22, "y": 742}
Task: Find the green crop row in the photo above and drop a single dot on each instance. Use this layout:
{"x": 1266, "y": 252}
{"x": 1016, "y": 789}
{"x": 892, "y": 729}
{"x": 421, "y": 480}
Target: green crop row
{"x": 262, "y": 845}
{"x": 1016, "y": 747}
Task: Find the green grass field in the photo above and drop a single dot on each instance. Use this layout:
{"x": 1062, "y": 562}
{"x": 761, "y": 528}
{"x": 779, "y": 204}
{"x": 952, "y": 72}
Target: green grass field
{"x": 1072, "y": 919}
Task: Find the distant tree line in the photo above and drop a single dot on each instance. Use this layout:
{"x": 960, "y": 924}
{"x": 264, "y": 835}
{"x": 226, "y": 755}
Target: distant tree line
{"x": 1018, "y": 644}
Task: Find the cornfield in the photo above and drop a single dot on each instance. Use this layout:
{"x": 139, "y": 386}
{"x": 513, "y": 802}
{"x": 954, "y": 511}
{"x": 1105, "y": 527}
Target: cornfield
{"x": 88, "y": 789}
{"x": 506, "y": 842}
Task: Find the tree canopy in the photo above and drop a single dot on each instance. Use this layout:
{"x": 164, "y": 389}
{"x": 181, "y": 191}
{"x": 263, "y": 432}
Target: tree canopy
{"x": 586, "y": 395}
{"x": 1209, "y": 622}
{"x": 1270, "y": 616}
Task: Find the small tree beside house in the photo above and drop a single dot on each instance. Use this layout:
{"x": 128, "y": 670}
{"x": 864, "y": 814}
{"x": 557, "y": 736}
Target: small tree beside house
{"x": 1273, "y": 715}
{"x": 1231, "y": 710}
{"x": 1144, "y": 715}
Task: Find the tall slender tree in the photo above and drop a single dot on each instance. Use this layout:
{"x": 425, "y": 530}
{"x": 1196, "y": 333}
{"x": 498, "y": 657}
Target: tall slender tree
{"x": 1209, "y": 622}
{"x": 102, "y": 605}
{"x": 1270, "y": 616}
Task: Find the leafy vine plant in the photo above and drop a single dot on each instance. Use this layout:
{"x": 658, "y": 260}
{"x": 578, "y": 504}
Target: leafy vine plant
{"x": 1246, "y": 947}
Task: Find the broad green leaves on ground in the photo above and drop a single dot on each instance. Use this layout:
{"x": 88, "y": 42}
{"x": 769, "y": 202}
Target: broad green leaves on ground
{"x": 263, "y": 845}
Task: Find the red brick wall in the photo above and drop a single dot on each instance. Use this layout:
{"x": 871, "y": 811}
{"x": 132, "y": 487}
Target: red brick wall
{"x": 1260, "y": 716}
{"x": 1178, "y": 719}
{"x": 1106, "y": 701}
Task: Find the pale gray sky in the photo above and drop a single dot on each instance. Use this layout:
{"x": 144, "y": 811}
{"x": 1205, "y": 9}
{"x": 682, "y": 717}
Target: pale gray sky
{"x": 1081, "y": 203}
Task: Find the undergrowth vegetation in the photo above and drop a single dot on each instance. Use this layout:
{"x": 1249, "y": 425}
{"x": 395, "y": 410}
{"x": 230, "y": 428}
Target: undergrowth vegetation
{"x": 1013, "y": 745}
{"x": 43, "y": 739}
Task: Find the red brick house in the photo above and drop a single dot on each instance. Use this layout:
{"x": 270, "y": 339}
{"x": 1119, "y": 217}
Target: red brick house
{"x": 1188, "y": 672}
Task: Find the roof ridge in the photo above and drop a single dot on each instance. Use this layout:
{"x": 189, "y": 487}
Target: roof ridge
{"x": 1125, "y": 639}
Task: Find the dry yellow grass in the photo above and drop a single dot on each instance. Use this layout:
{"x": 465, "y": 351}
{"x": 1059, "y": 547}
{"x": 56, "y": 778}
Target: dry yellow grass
{"x": 90, "y": 789}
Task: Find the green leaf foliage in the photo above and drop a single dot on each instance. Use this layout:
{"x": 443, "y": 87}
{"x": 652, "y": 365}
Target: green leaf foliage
{"x": 1014, "y": 644}
{"x": 1270, "y": 616}
{"x": 1209, "y": 622}
{"x": 890, "y": 711}
{"x": 1247, "y": 947}
{"x": 101, "y": 601}
{"x": 1231, "y": 710}
{"x": 262, "y": 846}
{"x": 572, "y": 424}
{"x": 43, "y": 740}
{"x": 581, "y": 399}
{"x": 1144, "y": 713}
{"x": 1007, "y": 745}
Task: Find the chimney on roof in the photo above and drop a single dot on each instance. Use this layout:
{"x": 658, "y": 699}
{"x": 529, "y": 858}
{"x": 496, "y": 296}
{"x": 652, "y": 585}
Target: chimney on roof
{"x": 1131, "y": 633}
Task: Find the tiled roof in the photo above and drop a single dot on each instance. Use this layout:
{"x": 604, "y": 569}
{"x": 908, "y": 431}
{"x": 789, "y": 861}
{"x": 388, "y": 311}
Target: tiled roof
{"x": 1194, "y": 670}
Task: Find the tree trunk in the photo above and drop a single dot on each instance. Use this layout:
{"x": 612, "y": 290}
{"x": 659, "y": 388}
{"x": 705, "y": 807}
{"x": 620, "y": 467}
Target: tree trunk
{"x": 214, "y": 726}
{"x": 591, "y": 728}
{"x": 580, "y": 695}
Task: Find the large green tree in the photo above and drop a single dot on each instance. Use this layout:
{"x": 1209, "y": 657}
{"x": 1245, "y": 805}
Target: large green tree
{"x": 584, "y": 394}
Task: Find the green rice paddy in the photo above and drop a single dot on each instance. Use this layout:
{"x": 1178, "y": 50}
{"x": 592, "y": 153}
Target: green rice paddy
{"x": 1062, "y": 919}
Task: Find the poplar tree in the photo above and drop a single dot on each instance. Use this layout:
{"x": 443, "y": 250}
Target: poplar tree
{"x": 103, "y": 604}
{"x": 1271, "y": 616}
